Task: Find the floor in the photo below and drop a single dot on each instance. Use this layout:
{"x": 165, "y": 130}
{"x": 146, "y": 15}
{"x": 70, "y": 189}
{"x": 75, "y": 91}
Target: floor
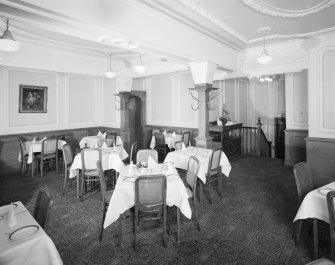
{"x": 250, "y": 224}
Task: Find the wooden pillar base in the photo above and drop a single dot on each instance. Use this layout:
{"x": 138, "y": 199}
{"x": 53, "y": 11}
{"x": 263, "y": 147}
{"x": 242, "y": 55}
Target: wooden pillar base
{"x": 204, "y": 142}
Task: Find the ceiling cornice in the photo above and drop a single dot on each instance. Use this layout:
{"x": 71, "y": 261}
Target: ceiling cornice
{"x": 271, "y": 10}
{"x": 213, "y": 19}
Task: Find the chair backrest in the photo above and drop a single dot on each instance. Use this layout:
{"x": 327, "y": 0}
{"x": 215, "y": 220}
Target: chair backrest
{"x": 67, "y": 155}
{"x": 331, "y": 213}
{"x": 103, "y": 185}
{"x": 112, "y": 136}
{"x": 186, "y": 138}
{"x": 150, "y": 191}
{"x": 192, "y": 172}
{"x": 214, "y": 160}
{"x": 303, "y": 179}
{"x": 143, "y": 155}
{"x": 178, "y": 145}
{"x": 89, "y": 158}
{"x": 154, "y": 131}
{"x": 43, "y": 206}
{"x": 133, "y": 151}
{"x": 23, "y": 149}
{"x": 160, "y": 139}
{"x": 49, "y": 146}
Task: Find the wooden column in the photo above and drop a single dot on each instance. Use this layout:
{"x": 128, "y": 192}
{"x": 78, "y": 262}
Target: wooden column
{"x": 124, "y": 121}
{"x": 203, "y": 139}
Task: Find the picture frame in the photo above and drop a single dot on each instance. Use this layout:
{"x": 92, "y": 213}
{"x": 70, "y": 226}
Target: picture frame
{"x": 33, "y": 99}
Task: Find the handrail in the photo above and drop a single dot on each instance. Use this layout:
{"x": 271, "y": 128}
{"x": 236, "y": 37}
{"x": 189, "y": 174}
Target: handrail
{"x": 254, "y": 141}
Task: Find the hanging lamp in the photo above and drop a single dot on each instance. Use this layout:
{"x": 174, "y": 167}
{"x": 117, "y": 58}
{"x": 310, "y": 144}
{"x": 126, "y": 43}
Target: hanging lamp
{"x": 140, "y": 69}
{"x": 7, "y": 42}
{"x": 110, "y": 73}
{"x": 264, "y": 57}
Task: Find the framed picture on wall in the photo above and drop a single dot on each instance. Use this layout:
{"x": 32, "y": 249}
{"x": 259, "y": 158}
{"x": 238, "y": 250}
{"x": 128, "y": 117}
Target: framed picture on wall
{"x": 33, "y": 99}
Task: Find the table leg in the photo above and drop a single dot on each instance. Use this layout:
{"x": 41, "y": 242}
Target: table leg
{"x": 32, "y": 167}
{"x": 178, "y": 225}
{"x": 78, "y": 183}
{"x": 316, "y": 239}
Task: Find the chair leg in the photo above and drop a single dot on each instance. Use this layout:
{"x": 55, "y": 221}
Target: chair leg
{"x": 299, "y": 231}
{"x": 135, "y": 229}
{"x": 120, "y": 231}
{"x": 82, "y": 186}
{"x": 41, "y": 168}
{"x": 220, "y": 181}
{"x": 21, "y": 167}
{"x": 32, "y": 168}
{"x": 316, "y": 239}
{"x": 164, "y": 227}
{"x": 196, "y": 214}
{"x": 200, "y": 190}
{"x": 65, "y": 178}
{"x": 208, "y": 184}
{"x": 57, "y": 161}
{"x": 102, "y": 221}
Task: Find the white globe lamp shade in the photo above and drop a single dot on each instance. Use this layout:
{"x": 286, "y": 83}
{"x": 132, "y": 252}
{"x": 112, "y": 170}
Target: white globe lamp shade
{"x": 140, "y": 69}
{"x": 264, "y": 58}
{"x": 110, "y": 74}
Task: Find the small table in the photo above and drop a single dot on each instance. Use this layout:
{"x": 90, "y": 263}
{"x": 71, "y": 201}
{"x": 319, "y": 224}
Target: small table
{"x": 123, "y": 197}
{"x": 35, "y": 249}
{"x": 180, "y": 159}
{"x": 111, "y": 159}
{"x": 170, "y": 140}
{"x": 93, "y": 141}
{"x": 315, "y": 206}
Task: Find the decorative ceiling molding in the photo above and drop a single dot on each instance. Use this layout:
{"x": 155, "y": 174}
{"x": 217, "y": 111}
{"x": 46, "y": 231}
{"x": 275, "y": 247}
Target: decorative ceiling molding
{"x": 268, "y": 9}
{"x": 213, "y": 19}
{"x": 294, "y": 36}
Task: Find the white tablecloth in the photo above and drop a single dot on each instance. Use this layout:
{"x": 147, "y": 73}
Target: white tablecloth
{"x": 36, "y": 249}
{"x": 111, "y": 159}
{"x": 169, "y": 140}
{"x": 180, "y": 159}
{"x": 124, "y": 194}
{"x": 35, "y": 148}
{"x": 314, "y": 204}
{"x": 92, "y": 141}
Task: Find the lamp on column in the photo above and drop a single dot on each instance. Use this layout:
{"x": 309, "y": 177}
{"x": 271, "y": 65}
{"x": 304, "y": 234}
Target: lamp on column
{"x": 7, "y": 42}
{"x": 140, "y": 69}
{"x": 110, "y": 73}
{"x": 264, "y": 57}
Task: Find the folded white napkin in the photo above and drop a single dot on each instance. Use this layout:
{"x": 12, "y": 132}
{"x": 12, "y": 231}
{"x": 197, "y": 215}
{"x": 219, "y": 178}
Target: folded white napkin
{"x": 34, "y": 140}
{"x": 104, "y": 135}
{"x": 151, "y": 162}
{"x": 165, "y": 133}
{"x": 183, "y": 147}
{"x": 99, "y": 133}
{"x": 11, "y": 216}
{"x": 174, "y": 134}
{"x": 170, "y": 167}
{"x": 104, "y": 145}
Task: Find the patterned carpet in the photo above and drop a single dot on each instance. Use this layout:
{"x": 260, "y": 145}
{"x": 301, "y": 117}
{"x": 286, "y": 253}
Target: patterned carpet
{"x": 250, "y": 224}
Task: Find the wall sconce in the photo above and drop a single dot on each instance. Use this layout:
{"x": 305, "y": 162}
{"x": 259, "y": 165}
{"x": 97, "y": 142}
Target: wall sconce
{"x": 212, "y": 94}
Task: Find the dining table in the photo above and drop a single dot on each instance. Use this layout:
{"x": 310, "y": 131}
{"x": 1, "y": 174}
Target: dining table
{"x": 97, "y": 141}
{"x": 314, "y": 206}
{"x": 25, "y": 242}
{"x": 180, "y": 159}
{"x": 170, "y": 139}
{"x": 35, "y": 146}
{"x": 123, "y": 197}
{"x": 111, "y": 159}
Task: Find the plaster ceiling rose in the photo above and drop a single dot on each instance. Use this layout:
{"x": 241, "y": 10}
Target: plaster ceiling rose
{"x": 288, "y": 8}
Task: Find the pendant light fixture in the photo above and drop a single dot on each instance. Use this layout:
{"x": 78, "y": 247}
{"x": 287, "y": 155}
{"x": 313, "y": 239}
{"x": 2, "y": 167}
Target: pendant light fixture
{"x": 140, "y": 69}
{"x": 264, "y": 57}
{"x": 110, "y": 73}
{"x": 7, "y": 42}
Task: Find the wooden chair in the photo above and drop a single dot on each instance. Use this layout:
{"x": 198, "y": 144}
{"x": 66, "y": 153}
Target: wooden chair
{"x": 186, "y": 138}
{"x": 160, "y": 146}
{"x": 154, "y": 131}
{"x": 89, "y": 172}
{"x": 213, "y": 173}
{"x": 49, "y": 154}
{"x": 304, "y": 183}
{"x": 106, "y": 196}
{"x": 67, "y": 161}
{"x": 24, "y": 155}
{"x": 178, "y": 145}
{"x": 143, "y": 155}
{"x": 321, "y": 261}
{"x": 43, "y": 207}
{"x": 191, "y": 186}
{"x": 331, "y": 213}
{"x": 111, "y": 136}
{"x": 150, "y": 202}
{"x": 133, "y": 151}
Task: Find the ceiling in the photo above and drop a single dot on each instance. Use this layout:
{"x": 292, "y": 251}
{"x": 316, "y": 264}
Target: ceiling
{"x": 162, "y": 30}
